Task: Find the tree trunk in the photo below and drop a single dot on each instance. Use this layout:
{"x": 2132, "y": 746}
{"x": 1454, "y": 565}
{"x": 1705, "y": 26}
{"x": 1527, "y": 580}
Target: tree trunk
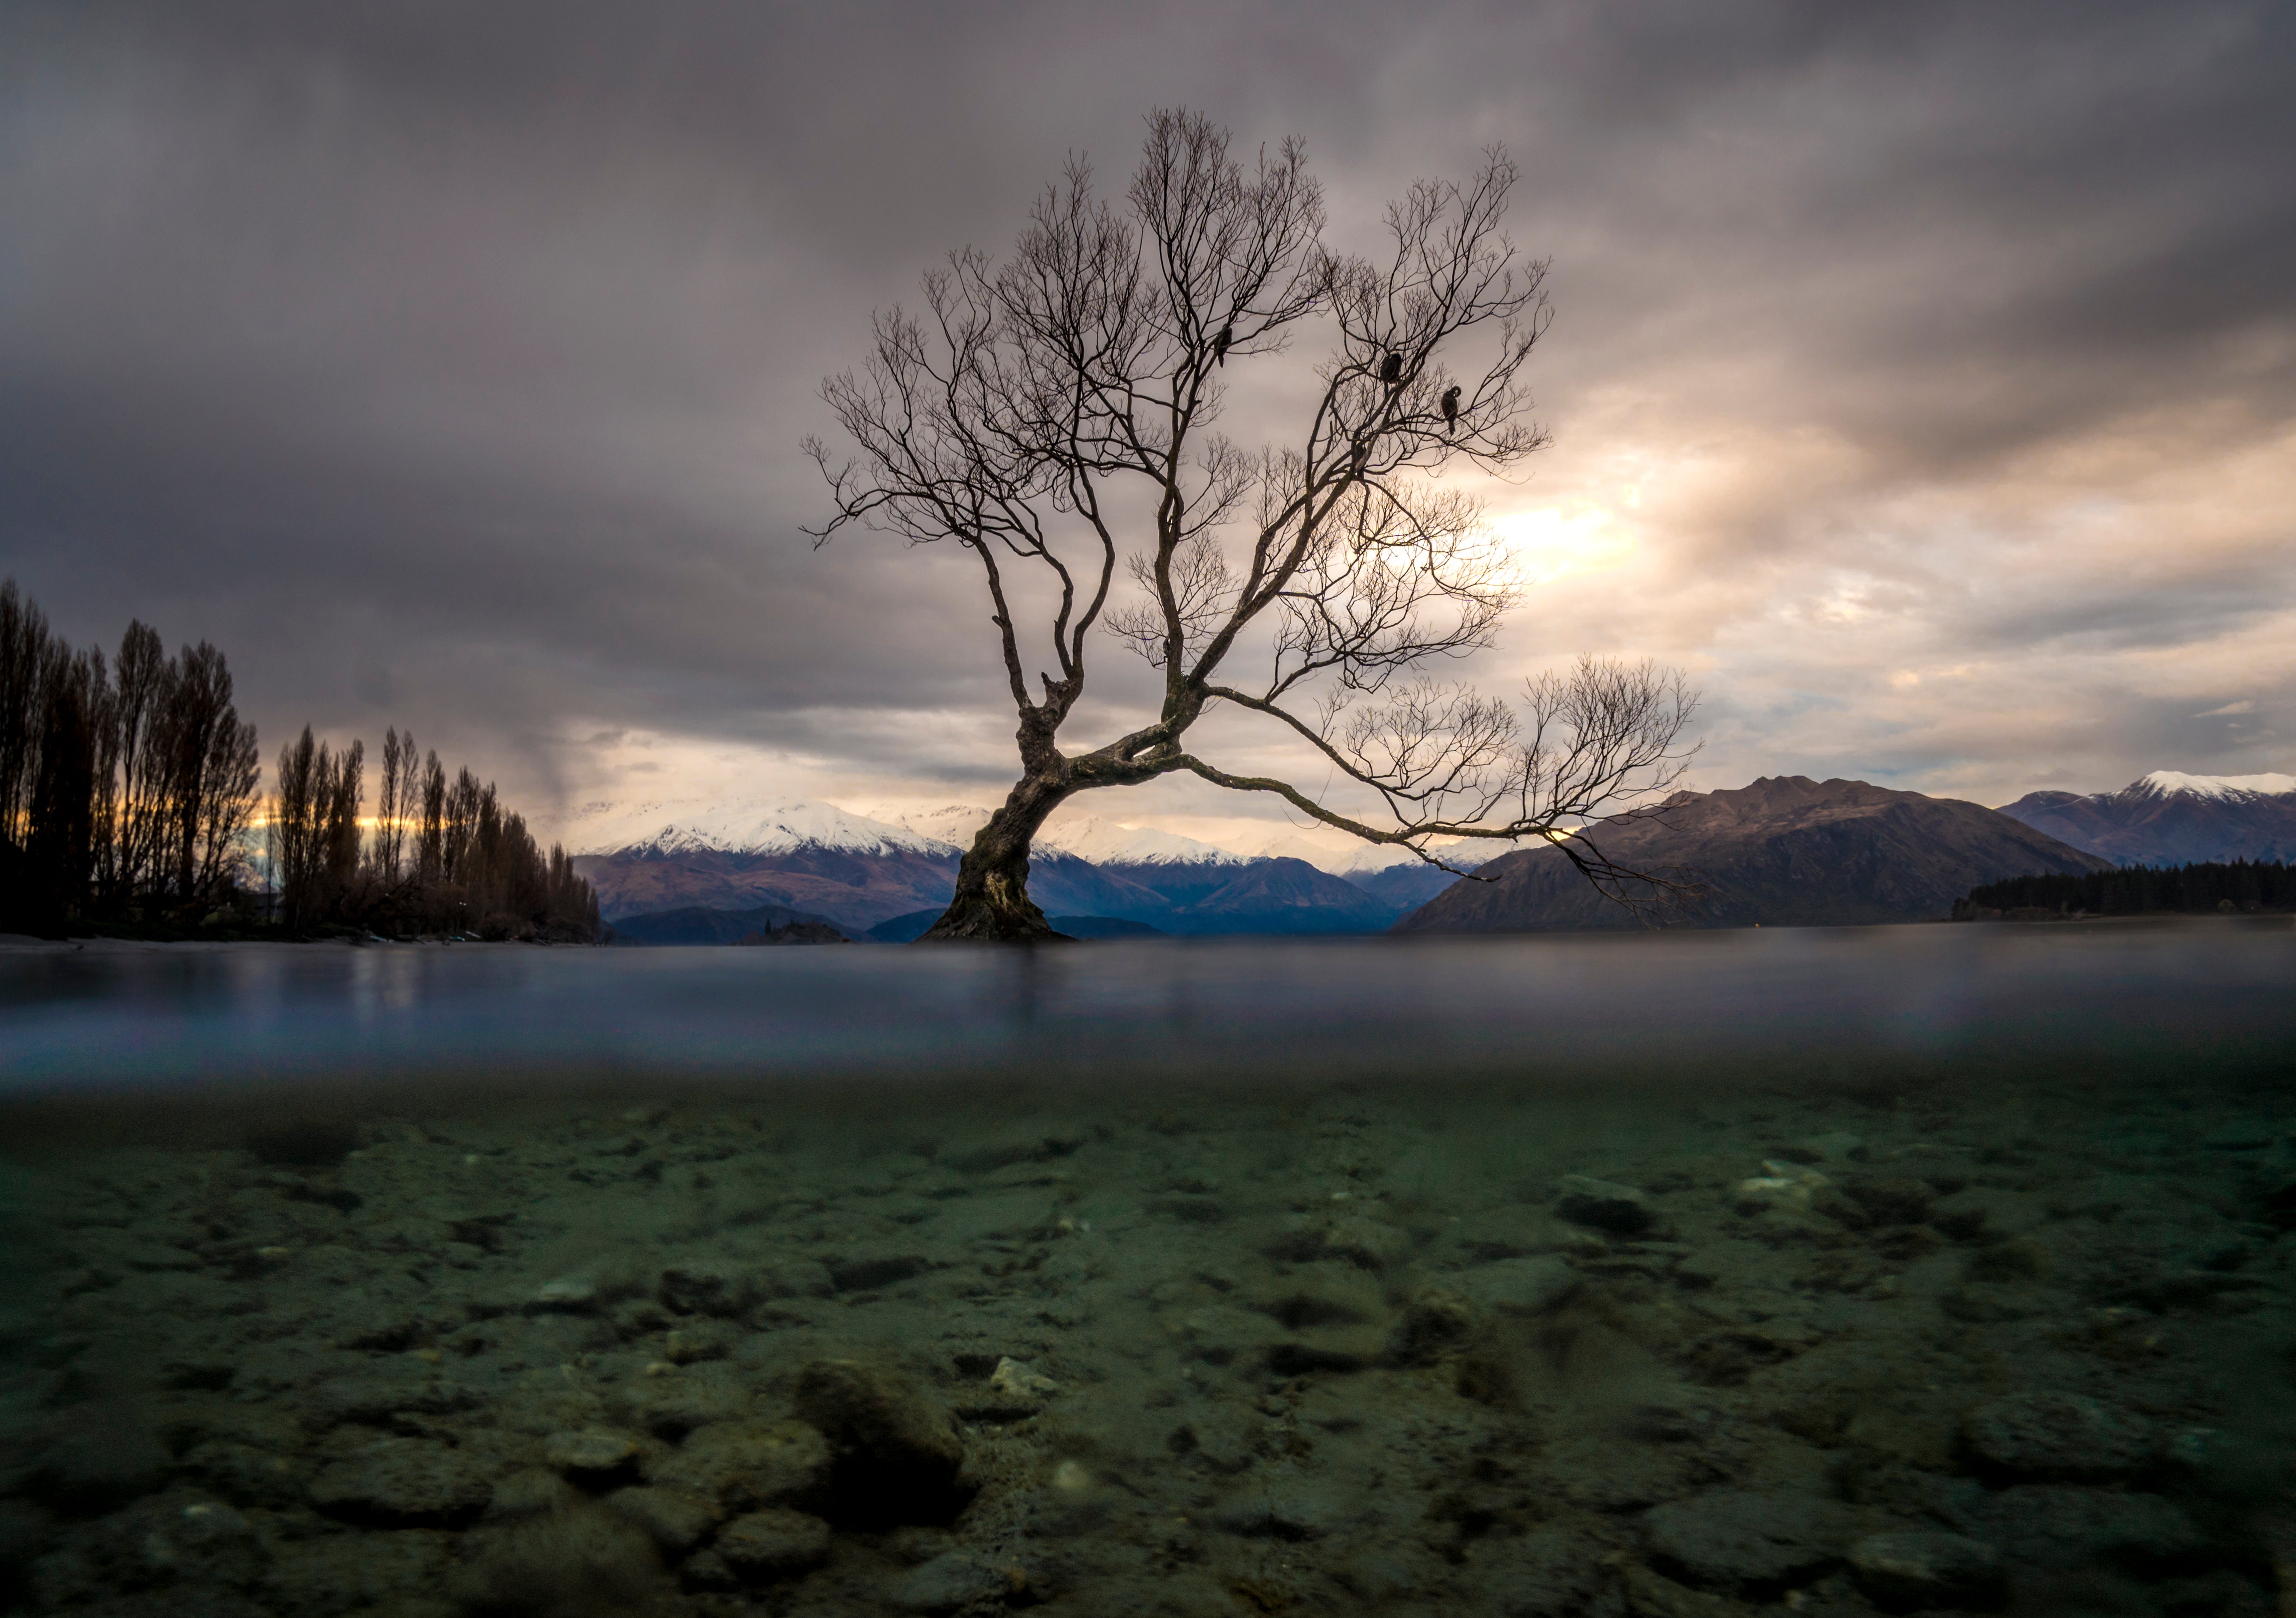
{"x": 992, "y": 902}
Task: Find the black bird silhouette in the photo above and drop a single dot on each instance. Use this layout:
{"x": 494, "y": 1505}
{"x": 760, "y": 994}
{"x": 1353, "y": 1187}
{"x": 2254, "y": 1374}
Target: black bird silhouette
{"x": 1220, "y": 343}
{"x": 1451, "y": 406}
{"x": 1392, "y": 373}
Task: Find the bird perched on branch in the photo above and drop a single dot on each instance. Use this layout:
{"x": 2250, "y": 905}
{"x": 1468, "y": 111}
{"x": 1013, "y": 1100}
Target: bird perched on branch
{"x": 1451, "y": 407}
{"x": 1392, "y": 373}
{"x": 1220, "y": 341}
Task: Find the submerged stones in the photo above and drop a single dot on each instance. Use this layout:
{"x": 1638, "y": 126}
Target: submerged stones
{"x": 2055, "y": 1437}
{"x": 1910, "y": 1572}
{"x": 745, "y": 1466}
{"x": 772, "y": 1544}
{"x": 1604, "y": 1205}
{"x": 1746, "y": 1543}
{"x": 405, "y": 1481}
{"x": 895, "y": 1458}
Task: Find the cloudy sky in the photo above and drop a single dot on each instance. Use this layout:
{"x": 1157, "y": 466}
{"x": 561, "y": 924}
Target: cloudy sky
{"x": 1922, "y": 379}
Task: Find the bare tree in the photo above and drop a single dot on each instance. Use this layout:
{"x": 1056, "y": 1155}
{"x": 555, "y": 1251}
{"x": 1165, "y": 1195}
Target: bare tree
{"x": 1041, "y": 411}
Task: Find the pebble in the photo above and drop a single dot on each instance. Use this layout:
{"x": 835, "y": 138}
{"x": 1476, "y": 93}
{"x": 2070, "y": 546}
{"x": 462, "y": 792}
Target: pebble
{"x": 1605, "y": 1205}
{"x": 949, "y": 1582}
{"x": 402, "y": 1482}
{"x": 676, "y": 1519}
{"x": 2057, "y": 1438}
{"x": 593, "y": 1450}
{"x": 744, "y": 1466}
{"x": 772, "y": 1544}
{"x": 2058, "y": 1526}
{"x": 895, "y": 1454}
{"x": 1518, "y": 1286}
{"x": 1746, "y": 1543}
{"x": 1906, "y": 1573}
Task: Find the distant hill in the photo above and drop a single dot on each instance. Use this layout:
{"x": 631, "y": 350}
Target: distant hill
{"x": 1784, "y": 851}
{"x": 697, "y": 924}
{"x": 2166, "y": 819}
{"x": 864, "y": 875}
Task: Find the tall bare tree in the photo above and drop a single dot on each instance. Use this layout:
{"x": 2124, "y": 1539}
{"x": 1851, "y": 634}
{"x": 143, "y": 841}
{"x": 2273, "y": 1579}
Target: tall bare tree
{"x": 1055, "y": 415}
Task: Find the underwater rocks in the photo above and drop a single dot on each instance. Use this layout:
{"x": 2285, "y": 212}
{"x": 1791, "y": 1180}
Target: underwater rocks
{"x": 1601, "y": 1205}
{"x": 772, "y": 1544}
{"x": 405, "y": 1481}
{"x": 896, "y": 1457}
{"x": 2056, "y": 1437}
{"x": 1750, "y": 1544}
{"x": 1905, "y": 1573}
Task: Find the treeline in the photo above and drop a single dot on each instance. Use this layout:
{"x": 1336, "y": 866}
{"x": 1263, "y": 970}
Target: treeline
{"x": 126, "y": 784}
{"x": 129, "y": 801}
{"x": 443, "y": 855}
{"x": 2210, "y": 887}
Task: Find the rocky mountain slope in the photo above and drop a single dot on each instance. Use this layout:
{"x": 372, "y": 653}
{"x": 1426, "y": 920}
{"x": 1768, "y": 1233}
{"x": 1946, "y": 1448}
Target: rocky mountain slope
{"x": 1784, "y": 851}
{"x": 2168, "y": 818}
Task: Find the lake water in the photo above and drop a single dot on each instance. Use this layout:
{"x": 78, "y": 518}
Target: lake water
{"x": 1859, "y": 1271}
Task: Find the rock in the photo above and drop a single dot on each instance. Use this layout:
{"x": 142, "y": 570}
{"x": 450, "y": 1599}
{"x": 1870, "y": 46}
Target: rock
{"x": 896, "y": 1456}
{"x": 705, "y": 1287}
{"x": 870, "y": 1271}
{"x": 1780, "y": 1185}
{"x": 772, "y": 1544}
{"x": 676, "y": 1519}
{"x": 948, "y": 1583}
{"x": 1747, "y": 1544}
{"x": 408, "y": 1387}
{"x": 747, "y": 1467}
{"x": 1838, "y": 1146}
{"x": 593, "y": 1450}
{"x": 571, "y": 1294}
{"x": 1350, "y": 1238}
{"x": 698, "y": 1341}
{"x": 1517, "y": 1287}
{"x": 1015, "y": 1380}
{"x": 531, "y": 1492}
{"x": 1601, "y": 1205}
{"x": 1905, "y": 1573}
{"x": 1896, "y": 1199}
{"x": 2055, "y": 1526}
{"x": 584, "y": 1560}
{"x": 678, "y": 1401}
{"x": 1040, "y": 1143}
{"x": 1435, "y": 1320}
{"x": 2056, "y": 1438}
{"x": 403, "y": 1481}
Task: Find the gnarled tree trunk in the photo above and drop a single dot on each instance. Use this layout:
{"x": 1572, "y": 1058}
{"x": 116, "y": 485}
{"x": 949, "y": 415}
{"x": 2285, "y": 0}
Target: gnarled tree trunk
{"x": 992, "y": 902}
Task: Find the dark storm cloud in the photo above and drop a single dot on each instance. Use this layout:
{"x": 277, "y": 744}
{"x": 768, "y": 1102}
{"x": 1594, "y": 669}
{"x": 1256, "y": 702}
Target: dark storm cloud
{"x": 446, "y": 363}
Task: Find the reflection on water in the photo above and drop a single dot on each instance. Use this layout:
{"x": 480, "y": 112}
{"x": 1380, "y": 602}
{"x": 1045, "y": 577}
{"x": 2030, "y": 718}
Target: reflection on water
{"x": 1888, "y": 1271}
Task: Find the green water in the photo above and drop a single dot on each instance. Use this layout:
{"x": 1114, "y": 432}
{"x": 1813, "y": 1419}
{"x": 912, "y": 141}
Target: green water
{"x": 1839, "y": 1321}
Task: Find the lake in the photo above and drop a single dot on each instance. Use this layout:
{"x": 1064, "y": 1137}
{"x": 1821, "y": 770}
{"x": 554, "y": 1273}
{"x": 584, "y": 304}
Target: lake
{"x": 1860, "y": 1271}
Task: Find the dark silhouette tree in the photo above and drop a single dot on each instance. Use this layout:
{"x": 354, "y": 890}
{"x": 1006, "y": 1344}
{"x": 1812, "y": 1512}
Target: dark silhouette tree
{"x": 1055, "y": 416}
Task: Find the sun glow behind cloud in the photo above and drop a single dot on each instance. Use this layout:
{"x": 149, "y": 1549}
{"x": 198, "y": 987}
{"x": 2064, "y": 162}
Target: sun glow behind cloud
{"x": 1554, "y": 542}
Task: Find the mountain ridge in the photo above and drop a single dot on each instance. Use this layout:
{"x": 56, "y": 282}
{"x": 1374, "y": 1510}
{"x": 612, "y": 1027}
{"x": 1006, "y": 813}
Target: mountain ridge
{"x": 2171, "y": 818}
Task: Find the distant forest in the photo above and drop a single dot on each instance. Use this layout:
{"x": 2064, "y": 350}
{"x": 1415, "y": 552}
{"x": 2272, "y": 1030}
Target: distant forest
{"x": 129, "y": 804}
{"x": 2211, "y": 887}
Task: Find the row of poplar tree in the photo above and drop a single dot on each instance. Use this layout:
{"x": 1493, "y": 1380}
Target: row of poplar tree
{"x": 129, "y": 794}
{"x": 443, "y": 856}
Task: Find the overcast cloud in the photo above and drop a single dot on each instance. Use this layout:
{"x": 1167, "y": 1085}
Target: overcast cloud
{"x": 1923, "y": 379}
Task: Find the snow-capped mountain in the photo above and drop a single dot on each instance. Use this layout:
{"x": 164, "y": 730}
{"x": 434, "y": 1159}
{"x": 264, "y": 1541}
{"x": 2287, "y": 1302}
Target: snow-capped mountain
{"x": 740, "y": 828}
{"x": 1104, "y": 843}
{"x": 2171, "y": 818}
{"x": 2232, "y": 789}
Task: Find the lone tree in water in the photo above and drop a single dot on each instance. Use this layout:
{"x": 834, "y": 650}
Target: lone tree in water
{"x": 1055, "y": 415}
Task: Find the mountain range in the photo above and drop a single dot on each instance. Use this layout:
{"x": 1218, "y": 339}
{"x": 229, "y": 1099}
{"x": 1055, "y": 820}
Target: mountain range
{"x": 872, "y": 877}
{"x": 1785, "y": 852}
{"x": 2168, "y": 818}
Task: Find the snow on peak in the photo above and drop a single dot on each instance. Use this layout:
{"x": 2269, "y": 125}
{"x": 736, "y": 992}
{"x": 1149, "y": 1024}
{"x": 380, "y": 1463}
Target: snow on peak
{"x": 2168, "y": 783}
{"x": 744, "y": 828}
{"x": 1105, "y": 842}
{"x": 955, "y": 824}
